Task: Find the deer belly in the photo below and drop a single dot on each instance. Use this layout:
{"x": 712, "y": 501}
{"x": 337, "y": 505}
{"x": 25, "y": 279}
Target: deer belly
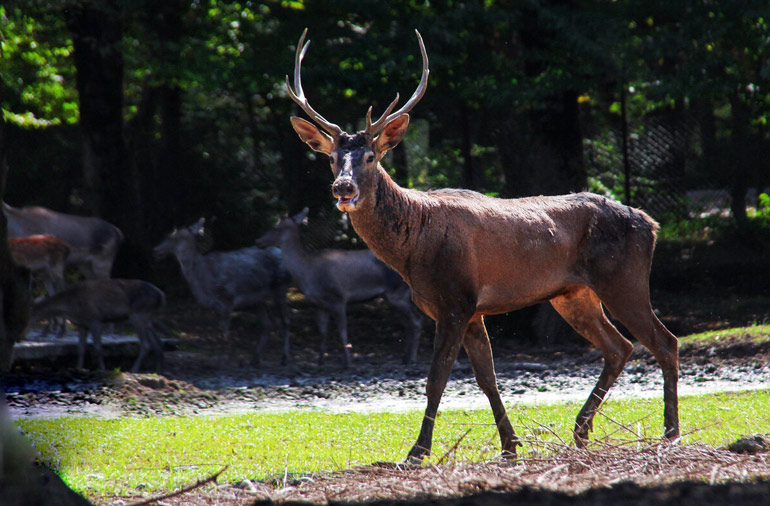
{"x": 495, "y": 299}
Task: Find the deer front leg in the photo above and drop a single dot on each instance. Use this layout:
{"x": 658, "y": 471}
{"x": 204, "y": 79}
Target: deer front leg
{"x": 82, "y": 342}
{"x": 225, "y": 310}
{"x": 449, "y": 336}
{"x": 341, "y": 319}
{"x": 283, "y": 325}
{"x": 479, "y": 352}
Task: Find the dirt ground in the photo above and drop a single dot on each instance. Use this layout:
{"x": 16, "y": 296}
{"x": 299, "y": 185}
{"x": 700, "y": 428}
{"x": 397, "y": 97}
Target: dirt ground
{"x": 206, "y": 374}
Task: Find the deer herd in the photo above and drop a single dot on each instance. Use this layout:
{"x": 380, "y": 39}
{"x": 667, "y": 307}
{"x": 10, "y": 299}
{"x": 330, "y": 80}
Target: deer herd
{"x": 457, "y": 255}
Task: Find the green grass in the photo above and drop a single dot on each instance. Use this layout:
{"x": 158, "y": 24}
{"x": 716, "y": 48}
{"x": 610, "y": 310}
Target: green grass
{"x": 122, "y": 456}
{"x": 759, "y": 333}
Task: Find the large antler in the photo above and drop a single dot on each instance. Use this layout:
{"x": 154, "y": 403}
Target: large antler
{"x": 374, "y": 128}
{"x": 299, "y": 95}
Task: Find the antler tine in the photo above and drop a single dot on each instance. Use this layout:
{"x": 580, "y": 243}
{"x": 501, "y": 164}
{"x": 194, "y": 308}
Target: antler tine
{"x": 387, "y": 111}
{"x": 373, "y": 128}
{"x": 299, "y": 95}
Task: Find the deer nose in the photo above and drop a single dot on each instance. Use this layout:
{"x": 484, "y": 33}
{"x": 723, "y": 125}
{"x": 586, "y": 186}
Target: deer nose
{"x": 343, "y": 187}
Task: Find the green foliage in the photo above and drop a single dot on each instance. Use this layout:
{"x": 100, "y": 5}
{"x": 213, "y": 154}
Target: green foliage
{"x": 761, "y": 213}
{"x": 37, "y": 86}
{"x": 494, "y": 66}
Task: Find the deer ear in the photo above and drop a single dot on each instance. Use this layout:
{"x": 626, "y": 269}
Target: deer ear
{"x": 310, "y": 135}
{"x": 301, "y": 217}
{"x": 391, "y": 135}
{"x": 197, "y": 227}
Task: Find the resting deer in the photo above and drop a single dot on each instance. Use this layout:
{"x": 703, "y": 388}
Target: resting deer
{"x": 466, "y": 255}
{"x": 93, "y": 303}
{"x": 228, "y": 280}
{"x": 332, "y": 278}
{"x": 93, "y": 242}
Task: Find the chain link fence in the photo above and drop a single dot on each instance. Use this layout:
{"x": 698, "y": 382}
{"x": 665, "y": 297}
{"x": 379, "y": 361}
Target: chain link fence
{"x": 649, "y": 168}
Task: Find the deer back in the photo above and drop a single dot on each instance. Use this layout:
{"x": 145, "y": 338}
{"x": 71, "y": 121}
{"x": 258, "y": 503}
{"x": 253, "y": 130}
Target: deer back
{"x": 87, "y": 236}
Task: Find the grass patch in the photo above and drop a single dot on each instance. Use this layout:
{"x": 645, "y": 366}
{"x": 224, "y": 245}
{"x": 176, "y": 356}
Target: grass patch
{"x": 758, "y": 333}
{"x": 123, "y": 456}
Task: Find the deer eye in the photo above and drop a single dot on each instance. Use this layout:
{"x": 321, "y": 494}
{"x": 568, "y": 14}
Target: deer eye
{"x": 369, "y": 158}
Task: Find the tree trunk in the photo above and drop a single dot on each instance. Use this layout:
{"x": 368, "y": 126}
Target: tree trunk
{"x": 740, "y": 170}
{"x": 96, "y": 28}
{"x": 111, "y": 189}
{"x": 170, "y": 153}
{"x": 14, "y": 281}
{"x": 704, "y": 111}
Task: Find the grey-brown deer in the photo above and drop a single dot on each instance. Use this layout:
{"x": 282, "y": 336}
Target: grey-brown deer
{"x": 466, "y": 255}
{"x": 332, "y": 278}
{"x": 93, "y": 303}
{"x": 225, "y": 281}
{"x": 93, "y": 242}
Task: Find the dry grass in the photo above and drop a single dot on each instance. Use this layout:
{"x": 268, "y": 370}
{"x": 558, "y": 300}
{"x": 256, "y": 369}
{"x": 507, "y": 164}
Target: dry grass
{"x": 645, "y": 468}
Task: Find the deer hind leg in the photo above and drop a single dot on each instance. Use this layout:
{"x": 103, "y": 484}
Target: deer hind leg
{"x": 266, "y": 327}
{"x": 283, "y": 324}
{"x": 148, "y": 341}
{"x": 225, "y": 319}
{"x": 144, "y": 346}
{"x": 582, "y": 309}
{"x": 479, "y": 352}
{"x": 446, "y": 345}
{"x": 630, "y": 303}
{"x": 82, "y": 344}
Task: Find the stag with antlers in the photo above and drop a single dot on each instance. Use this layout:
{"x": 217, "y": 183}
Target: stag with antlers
{"x": 466, "y": 255}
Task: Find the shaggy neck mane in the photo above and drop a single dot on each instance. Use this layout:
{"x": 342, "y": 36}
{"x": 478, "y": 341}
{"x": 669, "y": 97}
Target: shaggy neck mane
{"x": 389, "y": 219}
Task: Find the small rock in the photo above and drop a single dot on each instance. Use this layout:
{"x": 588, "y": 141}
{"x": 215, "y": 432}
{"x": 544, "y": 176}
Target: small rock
{"x": 758, "y": 443}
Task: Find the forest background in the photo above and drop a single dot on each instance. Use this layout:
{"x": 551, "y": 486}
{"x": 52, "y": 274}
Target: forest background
{"x": 152, "y": 114}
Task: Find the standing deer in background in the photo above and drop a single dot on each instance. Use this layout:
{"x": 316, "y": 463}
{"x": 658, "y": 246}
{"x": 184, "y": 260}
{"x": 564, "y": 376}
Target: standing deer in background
{"x": 332, "y": 278}
{"x": 93, "y": 242}
{"x": 44, "y": 254}
{"x": 228, "y": 280}
{"x": 92, "y": 303}
{"x": 466, "y": 255}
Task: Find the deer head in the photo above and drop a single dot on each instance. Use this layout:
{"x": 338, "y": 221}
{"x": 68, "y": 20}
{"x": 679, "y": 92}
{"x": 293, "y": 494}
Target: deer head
{"x": 284, "y": 228}
{"x": 354, "y": 158}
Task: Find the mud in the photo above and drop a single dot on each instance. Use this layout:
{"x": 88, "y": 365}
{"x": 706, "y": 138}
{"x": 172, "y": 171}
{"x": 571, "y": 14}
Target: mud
{"x": 206, "y": 383}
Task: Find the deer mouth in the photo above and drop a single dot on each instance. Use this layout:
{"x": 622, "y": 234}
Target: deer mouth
{"x": 346, "y": 204}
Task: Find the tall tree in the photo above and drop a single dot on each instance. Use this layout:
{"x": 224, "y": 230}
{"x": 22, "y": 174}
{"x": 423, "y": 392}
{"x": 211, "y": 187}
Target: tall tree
{"x": 97, "y": 34}
{"x": 14, "y": 280}
{"x": 97, "y": 29}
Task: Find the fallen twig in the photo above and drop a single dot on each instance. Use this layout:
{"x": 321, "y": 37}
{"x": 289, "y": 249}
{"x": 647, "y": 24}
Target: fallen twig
{"x": 189, "y": 488}
{"x": 453, "y": 448}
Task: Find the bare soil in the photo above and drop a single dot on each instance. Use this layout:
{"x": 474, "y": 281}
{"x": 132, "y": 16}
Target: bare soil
{"x": 207, "y": 374}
